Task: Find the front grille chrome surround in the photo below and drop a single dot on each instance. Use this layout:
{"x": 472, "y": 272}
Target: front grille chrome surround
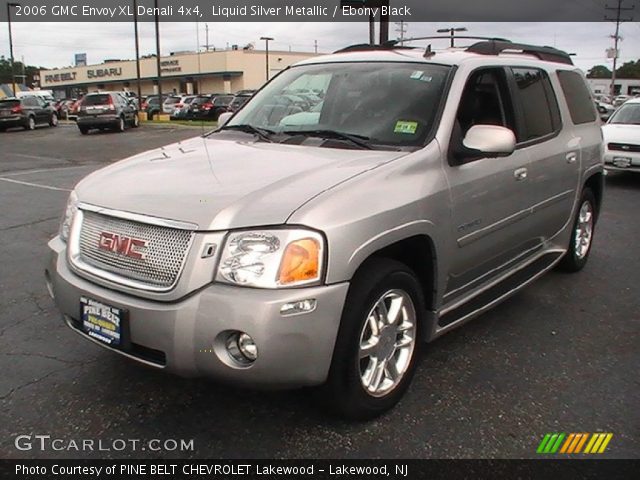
{"x": 166, "y": 252}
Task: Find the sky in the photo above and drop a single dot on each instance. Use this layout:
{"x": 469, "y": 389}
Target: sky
{"x": 54, "y": 44}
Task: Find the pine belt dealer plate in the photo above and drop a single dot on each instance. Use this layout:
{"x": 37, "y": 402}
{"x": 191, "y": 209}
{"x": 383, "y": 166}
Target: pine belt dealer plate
{"x": 621, "y": 162}
{"x": 102, "y": 322}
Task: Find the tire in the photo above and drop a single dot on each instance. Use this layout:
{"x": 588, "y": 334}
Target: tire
{"x": 2, "y": 129}
{"x": 582, "y": 232}
{"x": 120, "y": 126}
{"x": 83, "y": 130}
{"x": 135, "y": 123}
{"x": 53, "y": 121}
{"x": 345, "y": 392}
{"x": 31, "y": 123}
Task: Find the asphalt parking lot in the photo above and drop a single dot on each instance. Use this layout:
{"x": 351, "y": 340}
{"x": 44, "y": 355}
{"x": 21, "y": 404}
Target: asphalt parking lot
{"x": 561, "y": 356}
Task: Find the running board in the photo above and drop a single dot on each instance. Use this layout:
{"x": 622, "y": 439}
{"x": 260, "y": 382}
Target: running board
{"x": 498, "y": 292}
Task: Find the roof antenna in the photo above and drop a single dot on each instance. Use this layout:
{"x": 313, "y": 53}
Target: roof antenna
{"x": 428, "y": 53}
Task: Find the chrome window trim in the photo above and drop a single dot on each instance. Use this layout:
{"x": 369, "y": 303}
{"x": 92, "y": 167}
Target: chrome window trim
{"x": 89, "y": 271}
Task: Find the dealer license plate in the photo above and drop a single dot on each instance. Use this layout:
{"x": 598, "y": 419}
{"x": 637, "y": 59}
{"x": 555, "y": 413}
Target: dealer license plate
{"x": 100, "y": 321}
{"x": 622, "y": 162}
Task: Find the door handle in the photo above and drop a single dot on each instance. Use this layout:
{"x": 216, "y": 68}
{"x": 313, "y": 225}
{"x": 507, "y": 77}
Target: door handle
{"x": 520, "y": 174}
{"x": 572, "y": 157}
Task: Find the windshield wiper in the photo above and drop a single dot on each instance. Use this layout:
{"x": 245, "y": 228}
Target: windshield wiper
{"x": 262, "y": 133}
{"x": 359, "y": 140}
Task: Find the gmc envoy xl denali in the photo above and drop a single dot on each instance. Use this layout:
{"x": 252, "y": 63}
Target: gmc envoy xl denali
{"x": 424, "y": 189}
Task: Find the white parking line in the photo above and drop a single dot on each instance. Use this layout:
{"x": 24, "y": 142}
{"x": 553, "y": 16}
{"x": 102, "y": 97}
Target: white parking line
{"x": 42, "y": 170}
{"x": 29, "y": 184}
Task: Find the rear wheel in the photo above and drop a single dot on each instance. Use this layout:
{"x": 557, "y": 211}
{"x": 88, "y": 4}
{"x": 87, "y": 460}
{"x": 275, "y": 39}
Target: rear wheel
{"x": 135, "y": 123}
{"x": 582, "y": 235}
{"x": 31, "y": 123}
{"x": 53, "y": 121}
{"x": 378, "y": 342}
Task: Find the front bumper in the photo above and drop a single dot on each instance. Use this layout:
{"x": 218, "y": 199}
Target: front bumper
{"x": 181, "y": 337}
{"x": 612, "y": 160}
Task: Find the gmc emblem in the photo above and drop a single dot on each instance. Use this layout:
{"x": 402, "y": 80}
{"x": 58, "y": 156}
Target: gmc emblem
{"x": 127, "y": 246}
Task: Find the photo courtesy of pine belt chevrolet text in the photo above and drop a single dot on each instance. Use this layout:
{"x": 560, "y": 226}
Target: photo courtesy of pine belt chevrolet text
{"x": 327, "y": 246}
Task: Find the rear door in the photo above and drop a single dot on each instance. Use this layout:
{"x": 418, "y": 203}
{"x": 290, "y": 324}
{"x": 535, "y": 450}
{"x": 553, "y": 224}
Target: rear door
{"x": 553, "y": 149}
{"x": 491, "y": 197}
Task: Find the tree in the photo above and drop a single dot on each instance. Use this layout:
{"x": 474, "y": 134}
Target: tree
{"x": 629, "y": 70}
{"x": 29, "y": 71}
{"x": 599, "y": 71}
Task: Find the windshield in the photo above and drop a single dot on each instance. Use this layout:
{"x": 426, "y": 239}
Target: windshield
{"x": 627, "y": 113}
{"x": 384, "y": 103}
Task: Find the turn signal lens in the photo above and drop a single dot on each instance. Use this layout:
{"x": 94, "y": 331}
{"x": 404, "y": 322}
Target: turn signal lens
{"x": 300, "y": 262}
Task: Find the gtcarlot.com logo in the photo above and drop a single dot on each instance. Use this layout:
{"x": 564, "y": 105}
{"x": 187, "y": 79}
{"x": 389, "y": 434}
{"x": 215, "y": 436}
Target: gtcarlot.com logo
{"x": 47, "y": 443}
{"x": 574, "y": 443}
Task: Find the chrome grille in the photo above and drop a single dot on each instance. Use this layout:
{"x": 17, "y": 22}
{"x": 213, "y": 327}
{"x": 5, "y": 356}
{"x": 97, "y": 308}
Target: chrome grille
{"x": 164, "y": 253}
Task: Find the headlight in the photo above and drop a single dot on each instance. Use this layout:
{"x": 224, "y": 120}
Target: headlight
{"x": 69, "y": 213}
{"x": 272, "y": 258}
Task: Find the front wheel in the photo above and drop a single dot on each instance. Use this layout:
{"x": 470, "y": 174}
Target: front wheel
{"x": 31, "y": 123}
{"x": 53, "y": 121}
{"x": 378, "y": 341}
{"x": 120, "y": 125}
{"x": 582, "y": 235}
{"x": 83, "y": 130}
{"x": 135, "y": 123}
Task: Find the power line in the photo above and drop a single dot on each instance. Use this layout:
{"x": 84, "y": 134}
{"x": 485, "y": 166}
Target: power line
{"x": 619, "y": 9}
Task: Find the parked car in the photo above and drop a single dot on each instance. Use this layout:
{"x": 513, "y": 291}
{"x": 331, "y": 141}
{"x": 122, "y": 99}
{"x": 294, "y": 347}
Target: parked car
{"x": 620, "y": 99}
{"x": 27, "y": 112}
{"x": 238, "y": 101}
{"x": 622, "y": 138}
{"x": 182, "y": 109}
{"x": 433, "y": 188}
{"x": 169, "y": 105}
{"x": 152, "y": 106}
{"x": 106, "y": 110}
{"x": 210, "y": 107}
{"x": 605, "y": 110}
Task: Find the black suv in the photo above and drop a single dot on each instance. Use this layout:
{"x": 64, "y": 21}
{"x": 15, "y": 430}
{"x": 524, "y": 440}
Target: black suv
{"x": 106, "y": 110}
{"x": 26, "y": 112}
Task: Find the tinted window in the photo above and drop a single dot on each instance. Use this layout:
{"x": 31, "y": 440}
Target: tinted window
{"x": 222, "y": 101}
{"x": 9, "y": 103}
{"x": 578, "y": 97}
{"x": 172, "y": 100}
{"x": 30, "y": 102}
{"x": 102, "y": 99}
{"x": 541, "y": 115}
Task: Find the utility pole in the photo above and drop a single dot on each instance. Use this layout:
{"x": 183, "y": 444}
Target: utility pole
{"x": 401, "y": 28}
{"x": 452, "y": 31}
{"x": 266, "y": 41}
{"x": 207, "y": 44}
{"x": 159, "y": 75}
{"x": 616, "y": 38}
{"x": 135, "y": 28}
{"x": 13, "y": 73}
{"x": 315, "y": 46}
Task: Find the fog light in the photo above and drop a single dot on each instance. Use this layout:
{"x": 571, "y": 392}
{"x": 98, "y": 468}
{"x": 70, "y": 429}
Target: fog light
{"x": 242, "y": 348}
{"x": 296, "y": 308}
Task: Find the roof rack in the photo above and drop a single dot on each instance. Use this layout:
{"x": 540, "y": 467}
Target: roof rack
{"x": 364, "y": 47}
{"x": 448, "y": 37}
{"x": 495, "y": 47}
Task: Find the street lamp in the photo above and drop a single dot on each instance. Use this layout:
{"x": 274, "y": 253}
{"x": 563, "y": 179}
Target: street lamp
{"x": 452, "y": 30}
{"x": 266, "y": 41}
{"x": 137, "y": 42}
{"x": 13, "y": 75}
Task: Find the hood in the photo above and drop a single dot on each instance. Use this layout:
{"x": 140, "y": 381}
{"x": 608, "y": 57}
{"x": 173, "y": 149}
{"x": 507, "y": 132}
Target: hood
{"x": 621, "y": 133}
{"x": 223, "y": 184}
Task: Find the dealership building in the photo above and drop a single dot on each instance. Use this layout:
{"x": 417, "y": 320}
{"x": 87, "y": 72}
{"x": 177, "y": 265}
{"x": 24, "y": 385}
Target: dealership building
{"x": 224, "y": 71}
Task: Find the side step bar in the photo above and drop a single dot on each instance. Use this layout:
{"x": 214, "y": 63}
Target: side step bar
{"x": 498, "y": 292}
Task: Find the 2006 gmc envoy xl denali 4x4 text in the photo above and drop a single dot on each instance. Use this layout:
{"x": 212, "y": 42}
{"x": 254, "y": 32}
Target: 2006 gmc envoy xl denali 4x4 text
{"x": 358, "y": 206}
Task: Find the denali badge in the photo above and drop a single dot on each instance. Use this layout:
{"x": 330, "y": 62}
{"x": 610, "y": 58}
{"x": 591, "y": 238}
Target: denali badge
{"x": 130, "y": 247}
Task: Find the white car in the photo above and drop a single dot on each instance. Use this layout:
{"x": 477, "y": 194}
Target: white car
{"x": 622, "y": 138}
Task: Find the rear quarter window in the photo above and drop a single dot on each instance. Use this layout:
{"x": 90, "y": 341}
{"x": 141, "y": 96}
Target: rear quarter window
{"x": 578, "y": 97}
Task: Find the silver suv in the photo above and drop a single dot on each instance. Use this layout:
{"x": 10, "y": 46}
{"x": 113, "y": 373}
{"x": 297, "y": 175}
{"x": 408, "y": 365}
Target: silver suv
{"x": 425, "y": 189}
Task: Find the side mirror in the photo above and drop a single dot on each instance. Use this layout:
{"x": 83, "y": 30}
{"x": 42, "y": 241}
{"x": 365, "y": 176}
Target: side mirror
{"x": 224, "y": 118}
{"x": 489, "y": 141}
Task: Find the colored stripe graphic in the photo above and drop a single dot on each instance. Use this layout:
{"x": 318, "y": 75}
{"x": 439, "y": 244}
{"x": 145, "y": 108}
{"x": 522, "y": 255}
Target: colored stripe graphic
{"x": 573, "y": 442}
